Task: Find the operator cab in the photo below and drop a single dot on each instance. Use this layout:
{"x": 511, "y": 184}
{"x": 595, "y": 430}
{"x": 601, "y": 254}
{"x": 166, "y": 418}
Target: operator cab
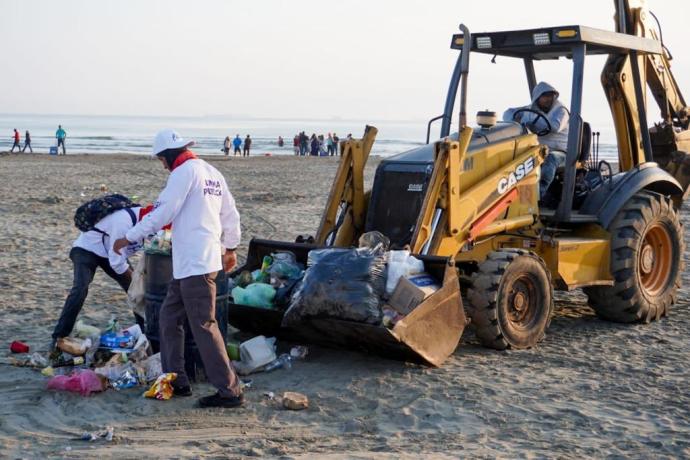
{"x": 583, "y": 173}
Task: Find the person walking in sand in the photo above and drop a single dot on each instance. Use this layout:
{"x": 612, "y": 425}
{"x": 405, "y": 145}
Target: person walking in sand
{"x": 237, "y": 144}
{"x": 27, "y": 142}
{"x": 16, "y": 141}
{"x": 206, "y": 232}
{"x": 93, "y": 249}
{"x": 247, "y": 146}
{"x": 295, "y": 144}
{"x": 226, "y": 145}
{"x": 60, "y": 135}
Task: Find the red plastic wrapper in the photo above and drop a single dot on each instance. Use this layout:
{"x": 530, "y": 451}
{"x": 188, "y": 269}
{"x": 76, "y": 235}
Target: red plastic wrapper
{"x": 19, "y": 347}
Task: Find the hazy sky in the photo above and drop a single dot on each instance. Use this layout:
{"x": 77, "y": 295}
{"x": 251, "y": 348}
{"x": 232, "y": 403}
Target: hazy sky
{"x": 317, "y": 59}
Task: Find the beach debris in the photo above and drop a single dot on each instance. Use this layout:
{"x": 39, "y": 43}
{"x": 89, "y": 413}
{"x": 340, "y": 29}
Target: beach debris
{"x": 106, "y": 433}
{"x": 83, "y": 381}
{"x": 246, "y": 384}
{"x": 295, "y": 401}
{"x": 48, "y": 371}
{"x": 270, "y": 395}
{"x": 283, "y": 360}
{"x": 299, "y": 352}
{"x": 84, "y": 331}
{"x": 38, "y": 360}
{"x": 104, "y": 188}
{"x": 162, "y": 388}
{"x": 127, "y": 380}
{"x": 74, "y": 346}
{"x": 19, "y": 347}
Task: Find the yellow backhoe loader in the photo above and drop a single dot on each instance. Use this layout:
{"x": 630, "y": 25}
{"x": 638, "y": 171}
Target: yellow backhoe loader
{"x": 473, "y": 198}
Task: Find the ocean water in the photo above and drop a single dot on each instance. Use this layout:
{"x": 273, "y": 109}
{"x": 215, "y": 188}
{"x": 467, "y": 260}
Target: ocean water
{"x": 100, "y": 134}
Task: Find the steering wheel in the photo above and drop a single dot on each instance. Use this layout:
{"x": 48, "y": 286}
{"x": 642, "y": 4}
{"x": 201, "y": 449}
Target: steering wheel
{"x": 531, "y": 126}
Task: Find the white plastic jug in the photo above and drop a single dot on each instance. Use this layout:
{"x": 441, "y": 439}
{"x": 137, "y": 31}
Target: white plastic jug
{"x": 257, "y": 352}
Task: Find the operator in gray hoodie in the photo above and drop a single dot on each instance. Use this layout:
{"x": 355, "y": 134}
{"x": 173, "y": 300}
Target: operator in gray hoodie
{"x": 551, "y": 126}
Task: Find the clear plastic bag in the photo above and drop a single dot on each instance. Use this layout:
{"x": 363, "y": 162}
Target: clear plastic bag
{"x": 340, "y": 283}
{"x": 401, "y": 263}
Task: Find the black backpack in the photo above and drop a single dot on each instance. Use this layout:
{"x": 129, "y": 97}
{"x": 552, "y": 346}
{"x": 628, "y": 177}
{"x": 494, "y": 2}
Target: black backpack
{"x": 90, "y": 213}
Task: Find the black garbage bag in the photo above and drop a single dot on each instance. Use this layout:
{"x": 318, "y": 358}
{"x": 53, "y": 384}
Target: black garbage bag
{"x": 340, "y": 283}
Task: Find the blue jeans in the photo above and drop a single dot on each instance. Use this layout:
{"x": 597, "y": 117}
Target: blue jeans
{"x": 552, "y": 162}
{"x": 85, "y": 265}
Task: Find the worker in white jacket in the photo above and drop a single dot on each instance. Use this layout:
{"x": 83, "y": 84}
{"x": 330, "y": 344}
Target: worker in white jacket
{"x": 205, "y": 234}
{"x": 94, "y": 249}
{"x": 549, "y": 118}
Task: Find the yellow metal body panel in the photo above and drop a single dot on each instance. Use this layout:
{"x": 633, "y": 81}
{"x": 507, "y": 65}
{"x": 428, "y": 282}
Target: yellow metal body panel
{"x": 347, "y": 193}
{"x": 576, "y": 262}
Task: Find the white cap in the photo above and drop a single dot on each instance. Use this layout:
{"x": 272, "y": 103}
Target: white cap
{"x": 169, "y": 139}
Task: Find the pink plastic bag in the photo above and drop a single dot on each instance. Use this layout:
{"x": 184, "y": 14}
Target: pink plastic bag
{"x": 84, "y": 382}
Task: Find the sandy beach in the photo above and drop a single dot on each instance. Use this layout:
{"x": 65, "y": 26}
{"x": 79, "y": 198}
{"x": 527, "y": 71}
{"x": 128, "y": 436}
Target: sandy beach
{"x": 591, "y": 389}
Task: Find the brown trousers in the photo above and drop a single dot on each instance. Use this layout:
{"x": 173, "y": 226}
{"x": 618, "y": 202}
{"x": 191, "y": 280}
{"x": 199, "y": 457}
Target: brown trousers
{"x": 194, "y": 298}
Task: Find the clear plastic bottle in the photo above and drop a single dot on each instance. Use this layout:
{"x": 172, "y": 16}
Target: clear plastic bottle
{"x": 283, "y": 360}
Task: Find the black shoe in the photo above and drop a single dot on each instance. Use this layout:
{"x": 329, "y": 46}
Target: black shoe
{"x": 216, "y": 400}
{"x": 182, "y": 391}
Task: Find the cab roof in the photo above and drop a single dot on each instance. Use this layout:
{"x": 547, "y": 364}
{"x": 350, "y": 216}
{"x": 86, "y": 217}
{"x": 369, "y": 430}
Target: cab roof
{"x": 555, "y": 42}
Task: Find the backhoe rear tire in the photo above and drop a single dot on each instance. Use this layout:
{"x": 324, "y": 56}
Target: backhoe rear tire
{"x": 511, "y": 300}
{"x": 646, "y": 262}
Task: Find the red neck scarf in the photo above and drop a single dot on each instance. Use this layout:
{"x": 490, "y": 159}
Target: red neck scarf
{"x": 184, "y": 156}
{"x": 147, "y": 209}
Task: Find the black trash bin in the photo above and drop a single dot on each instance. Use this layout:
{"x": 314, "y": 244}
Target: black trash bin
{"x": 158, "y": 276}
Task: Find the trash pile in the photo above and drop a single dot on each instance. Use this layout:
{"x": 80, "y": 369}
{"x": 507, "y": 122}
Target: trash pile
{"x": 259, "y": 355}
{"x": 160, "y": 243}
{"x": 369, "y": 284}
{"x": 91, "y": 361}
{"x": 269, "y": 286}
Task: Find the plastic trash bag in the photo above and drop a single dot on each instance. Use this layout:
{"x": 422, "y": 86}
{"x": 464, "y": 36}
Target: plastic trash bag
{"x": 254, "y": 295}
{"x": 374, "y": 240}
{"x": 341, "y": 283}
{"x": 401, "y": 263}
{"x": 83, "y": 382}
{"x": 285, "y": 266}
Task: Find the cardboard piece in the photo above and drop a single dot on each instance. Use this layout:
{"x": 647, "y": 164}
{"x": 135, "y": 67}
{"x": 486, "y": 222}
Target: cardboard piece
{"x": 412, "y": 291}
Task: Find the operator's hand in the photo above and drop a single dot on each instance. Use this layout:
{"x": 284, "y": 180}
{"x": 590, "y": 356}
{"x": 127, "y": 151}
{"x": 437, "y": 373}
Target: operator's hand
{"x": 120, "y": 244}
{"x": 229, "y": 260}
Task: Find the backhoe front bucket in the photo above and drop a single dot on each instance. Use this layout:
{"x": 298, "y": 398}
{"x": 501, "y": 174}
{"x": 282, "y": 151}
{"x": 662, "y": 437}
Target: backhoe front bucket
{"x": 428, "y": 335}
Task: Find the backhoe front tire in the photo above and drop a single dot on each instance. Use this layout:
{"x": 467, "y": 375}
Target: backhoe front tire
{"x": 646, "y": 262}
{"x": 511, "y": 300}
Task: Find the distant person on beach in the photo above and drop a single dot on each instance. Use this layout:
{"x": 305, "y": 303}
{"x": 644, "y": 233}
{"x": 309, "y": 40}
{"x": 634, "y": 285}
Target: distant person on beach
{"x": 329, "y": 145}
{"x": 206, "y": 233}
{"x": 295, "y": 144}
{"x": 16, "y": 141}
{"x": 27, "y": 142}
{"x": 92, "y": 250}
{"x": 336, "y": 142}
{"x": 322, "y": 146}
{"x": 60, "y": 135}
{"x": 314, "y": 145}
{"x": 226, "y": 145}
{"x": 247, "y": 146}
{"x": 304, "y": 143}
{"x": 281, "y": 142}
{"x": 237, "y": 144}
